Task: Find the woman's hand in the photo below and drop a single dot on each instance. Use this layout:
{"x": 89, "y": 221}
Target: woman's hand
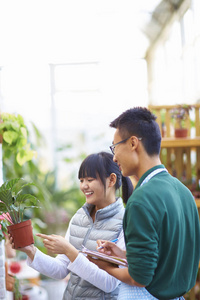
{"x": 59, "y": 245}
{"x": 9, "y": 250}
{"x": 29, "y": 250}
{"x": 110, "y": 248}
{"x": 54, "y": 243}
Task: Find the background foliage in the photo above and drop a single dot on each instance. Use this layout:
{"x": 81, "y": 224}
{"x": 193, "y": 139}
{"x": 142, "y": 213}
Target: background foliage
{"x": 20, "y": 161}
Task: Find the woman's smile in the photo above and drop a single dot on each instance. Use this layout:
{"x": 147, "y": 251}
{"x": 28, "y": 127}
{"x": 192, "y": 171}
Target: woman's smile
{"x": 88, "y": 194}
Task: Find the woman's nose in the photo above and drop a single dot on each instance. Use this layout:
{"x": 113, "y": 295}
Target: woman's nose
{"x": 85, "y": 185}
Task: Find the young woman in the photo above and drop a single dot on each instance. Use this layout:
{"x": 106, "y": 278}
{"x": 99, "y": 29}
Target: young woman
{"x": 99, "y": 218}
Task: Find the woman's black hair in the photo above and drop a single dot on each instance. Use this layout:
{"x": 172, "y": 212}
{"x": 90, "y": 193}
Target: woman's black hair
{"x": 127, "y": 188}
{"x": 102, "y": 164}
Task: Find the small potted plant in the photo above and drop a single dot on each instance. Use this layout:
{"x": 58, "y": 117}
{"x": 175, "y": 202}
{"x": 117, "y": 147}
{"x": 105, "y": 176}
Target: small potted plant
{"x": 180, "y": 114}
{"x": 12, "y": 205}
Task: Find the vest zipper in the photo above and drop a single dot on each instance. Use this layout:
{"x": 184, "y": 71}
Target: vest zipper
{"x": 73, "y": 294}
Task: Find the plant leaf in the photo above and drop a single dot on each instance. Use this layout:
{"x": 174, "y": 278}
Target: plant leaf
{"x": 6, "y": 197}
{"x": 21, "y": 198}
{"x": 32, "y": 207}
{"x": 15, "y": 125}
{"x": 10, "y": 136}
{"x": 8, "y": 185}
{"x": 2, "y": 126}
{"x": 3, "y": 207}
{"x": 13, "y": 207}
{"x": 17, "y": 189}
{"x": 21, "y": 142}
{"x": 23, "y": 132}
{"x": 24, "y": 155}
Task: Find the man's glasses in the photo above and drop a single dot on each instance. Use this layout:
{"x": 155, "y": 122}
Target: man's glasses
{"x": 112, "y": 147}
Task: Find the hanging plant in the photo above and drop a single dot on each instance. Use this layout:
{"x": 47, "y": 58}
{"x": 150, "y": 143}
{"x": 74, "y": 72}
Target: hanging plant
{"x": 14, "y": 136}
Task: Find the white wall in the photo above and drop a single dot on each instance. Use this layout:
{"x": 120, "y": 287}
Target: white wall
{"x": 34, "y": 34}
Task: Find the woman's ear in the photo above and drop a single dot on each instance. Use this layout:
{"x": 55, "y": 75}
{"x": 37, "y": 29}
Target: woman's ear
{"x": 113, "y": 179}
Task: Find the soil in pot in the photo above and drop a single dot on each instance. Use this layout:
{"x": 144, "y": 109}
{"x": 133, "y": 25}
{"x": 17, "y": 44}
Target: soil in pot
{"x": 22, "y": 234}
{"x": 181, "y": 132}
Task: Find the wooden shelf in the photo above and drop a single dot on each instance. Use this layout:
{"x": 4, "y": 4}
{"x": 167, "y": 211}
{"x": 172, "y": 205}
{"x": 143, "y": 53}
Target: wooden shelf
{"x": 172, "y": 142}
{"x": 181, "y": 156}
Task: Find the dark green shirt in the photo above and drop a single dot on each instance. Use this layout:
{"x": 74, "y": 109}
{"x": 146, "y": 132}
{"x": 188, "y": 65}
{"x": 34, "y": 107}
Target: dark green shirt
{"x": 162, "y": 235}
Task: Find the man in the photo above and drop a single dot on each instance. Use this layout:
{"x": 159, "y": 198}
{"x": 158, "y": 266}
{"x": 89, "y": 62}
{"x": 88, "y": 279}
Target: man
{"x": 161, "y": 222}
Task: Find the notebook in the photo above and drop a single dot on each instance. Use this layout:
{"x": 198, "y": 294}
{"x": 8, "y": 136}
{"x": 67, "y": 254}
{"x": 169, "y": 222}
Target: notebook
{"x": 102, "y": 256}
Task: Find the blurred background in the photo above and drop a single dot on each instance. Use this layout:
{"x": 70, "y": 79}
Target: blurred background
{"x": 70, "y": 67}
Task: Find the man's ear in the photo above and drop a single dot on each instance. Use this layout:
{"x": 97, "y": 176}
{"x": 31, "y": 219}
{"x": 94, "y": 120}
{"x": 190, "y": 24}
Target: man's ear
{"x": 113, "y": 179}
{"x": 134, "y": 142}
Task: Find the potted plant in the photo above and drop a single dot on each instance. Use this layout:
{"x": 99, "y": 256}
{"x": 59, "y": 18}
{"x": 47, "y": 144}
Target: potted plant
{"x": 12, "y": 205}
{"x": 180, "y": 114}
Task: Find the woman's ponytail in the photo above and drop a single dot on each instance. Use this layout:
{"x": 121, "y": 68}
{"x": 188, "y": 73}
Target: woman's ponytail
{"x": 127, "y": 188}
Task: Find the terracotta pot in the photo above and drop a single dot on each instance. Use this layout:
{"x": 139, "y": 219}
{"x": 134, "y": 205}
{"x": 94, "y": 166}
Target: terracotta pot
{"x": 22, "y": 234}
{"x": 181, "y": 132}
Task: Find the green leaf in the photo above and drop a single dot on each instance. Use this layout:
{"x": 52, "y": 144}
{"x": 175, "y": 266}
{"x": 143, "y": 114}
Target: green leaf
{"x": 32, "y": 206}
{"x": 17, "y": 189}
{"x": 24, "y": 132}
{"x": 10, "y": 136}
{"x": 21, "y": 142}
{"x": 8, "y": 185}
{"x": 15, "y": 126}
{"x": 16, "y": 185}
{"x": 6, "y": 197}
{"x": 20, "y": 119}
{"x": 14, "y": 208}
{"x": 26, "y": 197}
{"x": 3, "y": 207}
{"x": 5, "y": 125}
{"x": 2, "y": 126}
{"x": 24, "y": 155}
